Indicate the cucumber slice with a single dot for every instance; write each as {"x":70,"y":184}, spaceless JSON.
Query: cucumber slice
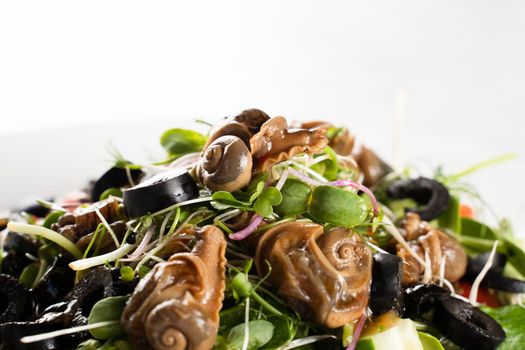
{"x":402,"y":335}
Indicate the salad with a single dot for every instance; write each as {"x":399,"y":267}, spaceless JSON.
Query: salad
{"x":261,"y":235}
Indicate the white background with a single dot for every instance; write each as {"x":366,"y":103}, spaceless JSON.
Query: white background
{"x":76,"y":74}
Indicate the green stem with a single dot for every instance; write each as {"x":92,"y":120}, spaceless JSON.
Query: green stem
{"x":265,"y":304}
{"x":47,"y":234}
{"x":485,"y":164}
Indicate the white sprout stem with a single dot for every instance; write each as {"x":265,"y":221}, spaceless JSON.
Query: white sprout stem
{"x":166,"y":239}
{"x":427,"y":275}
{"x":442,"y":264}
{"x":228,"y":215}
{"x":144,"y":242}
{"x":83,"y":264}
{"x":376,"y":248}
{"x":309,"y":171}
{"x":282,"y":180}
{"x":319,"y":160}
{"x":60,"y":332}
{"x":164,"y":224}
{"x":246,"y":340}
{"x":130,"y":178}
{"x":473,"y":296}
{"x":181,"y":204}
{"x":305,"y":341}
{"x":394,"y":232}
{"x":47,"y":234}
{"x":110,"y":230}
{"x":50,"y":205}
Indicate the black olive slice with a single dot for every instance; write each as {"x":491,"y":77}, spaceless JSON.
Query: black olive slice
{"x":96,"y":285}
{"x":116,"y":177}
{"x":160,"y":192}
{"x":422,"y":298}
{"x":386,"y":291}
{"x":56,"y":283}
{"x":12,"y":332}
{"x":15,"y":300}
{"x":430,"y":193}
{"x":466,"y":325}
{"x":494,"y":278}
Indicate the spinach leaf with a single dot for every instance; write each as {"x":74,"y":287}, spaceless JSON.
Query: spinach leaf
{"x":108,"y":309}
{"x":512,"y":319}
{"x":260,"y":333}
{"x":178,"y":142}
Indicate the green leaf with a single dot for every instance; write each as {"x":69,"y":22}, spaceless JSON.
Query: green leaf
{"x":450,"y":218}
{"x":477,"y":229}
{"x":108,"y":309}
{"x":178,"y":142}
{"x":222,"y":200}
{"x":119,"y":344}
{"x":429,"y":342}
{"x":263,"y":206}
{"x":110,"y":192}
{"x":337,"y":206}
{"x":29,"y":274}
{"x":295,"y":195}
{"x":257,"y":192}
{"x":52,"y":218}
{"x":512,"y":319}
{"x":90,"y":344}
{"x":515,"y":251}
{"x":260,"y":333}
{"x":283,"y":333}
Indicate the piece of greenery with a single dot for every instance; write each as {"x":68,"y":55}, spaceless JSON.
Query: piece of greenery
{"x":264,"y":203}
{"x":222,"y":200}
{"x":295,"y":195}
{"x":110,"y":192}
{"x":108,"y":309}
{"x":337,"y":206}
{"x":429,"y":342}
{"x":90,"y":344}
{"x":127,"y":273}
{"x":450,"y":218}
{"x":512,"y":319}
{"x":260,"y":333}
{"x":178,"y":142}
{"x":52,"y":218}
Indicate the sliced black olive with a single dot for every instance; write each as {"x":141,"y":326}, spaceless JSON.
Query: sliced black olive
{"x":430,"y":193}
{"x":96,"y":285}
{"x":386,"y":291}
{"x":494,"y":278}
{"x":115,"y":177}
{"x":21,"y":244}
{"x":498,"y":263}
{"x":14,"y":263}
{"x":12,"y":332}
{"x":36,"y":210}
{"x":56,"y":283}
{"x":422,"y":298}
{"x":466,"y":325}
{"x":15,"y":300}
{"x":160,"y":192}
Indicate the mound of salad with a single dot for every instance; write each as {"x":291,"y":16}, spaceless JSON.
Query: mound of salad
{"x":261,"y":235}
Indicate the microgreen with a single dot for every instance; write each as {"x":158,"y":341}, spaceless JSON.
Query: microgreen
{"x":270,"y":197}
{"x":178,"y":142}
